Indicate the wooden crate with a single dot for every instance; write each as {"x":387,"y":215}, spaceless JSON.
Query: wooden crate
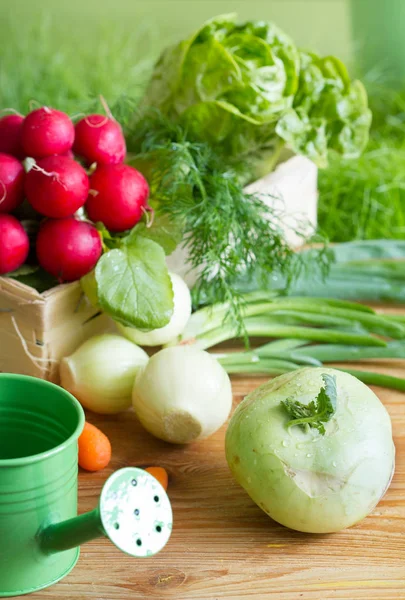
{"x":37,"y":330}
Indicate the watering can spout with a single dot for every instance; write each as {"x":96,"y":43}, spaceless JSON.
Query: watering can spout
{"x":134,"y":512}
{"x":71,"y":533}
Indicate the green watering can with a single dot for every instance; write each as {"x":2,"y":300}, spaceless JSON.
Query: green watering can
{"x":40,"y":533}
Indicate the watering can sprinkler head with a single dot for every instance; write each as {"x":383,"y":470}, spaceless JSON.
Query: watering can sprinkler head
{"x":134,"y":512}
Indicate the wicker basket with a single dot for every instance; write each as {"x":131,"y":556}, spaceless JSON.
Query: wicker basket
{"x":37,"y":330}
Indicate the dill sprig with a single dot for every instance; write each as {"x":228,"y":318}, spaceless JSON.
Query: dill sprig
{"x":227,"y":231}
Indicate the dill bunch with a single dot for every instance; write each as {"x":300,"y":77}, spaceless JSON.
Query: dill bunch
{"x":227,"y":231}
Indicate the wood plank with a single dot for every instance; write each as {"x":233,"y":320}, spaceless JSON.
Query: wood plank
{"x":223,"y":546}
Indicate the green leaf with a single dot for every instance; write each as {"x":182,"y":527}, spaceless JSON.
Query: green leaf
{"x":108,"y":239}
{"x":134,"y":286}
{"x":304,"y":135}
{"x":318,"y":411}
{"x":349,"y":136}
{"x":34,"y":277}
{"x":329,"y":112}
{"x":312,"y":82}
{"x":203,"y":76}
{"x":24,"y":270}
{"x":164,"y":231}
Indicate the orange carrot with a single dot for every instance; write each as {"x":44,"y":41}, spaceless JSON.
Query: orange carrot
{"x":94,"y":449}
{"x":160,"y":474}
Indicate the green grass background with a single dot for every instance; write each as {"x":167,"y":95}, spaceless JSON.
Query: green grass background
{"x":61,"y":52}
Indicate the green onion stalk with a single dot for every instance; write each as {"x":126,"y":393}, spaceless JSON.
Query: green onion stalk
{"x":304,"y":332}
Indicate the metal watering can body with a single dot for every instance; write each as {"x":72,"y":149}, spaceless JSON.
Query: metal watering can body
{"x":39,"y":531}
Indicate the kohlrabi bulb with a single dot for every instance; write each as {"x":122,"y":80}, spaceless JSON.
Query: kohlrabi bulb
{"x":302,"y":479}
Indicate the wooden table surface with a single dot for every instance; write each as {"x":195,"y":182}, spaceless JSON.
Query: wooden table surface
{"x":223,"y":546}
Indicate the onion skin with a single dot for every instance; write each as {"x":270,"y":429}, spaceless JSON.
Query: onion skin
{"x":301,"y":479}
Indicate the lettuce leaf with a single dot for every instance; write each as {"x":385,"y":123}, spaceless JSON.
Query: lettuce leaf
{"x":246,"y":90}
{"x":228,"y":84}
{"x":329,"y":112}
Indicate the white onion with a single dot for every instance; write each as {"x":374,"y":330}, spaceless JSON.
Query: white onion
{"x":182,"y":395}
{"x":102,"y":371}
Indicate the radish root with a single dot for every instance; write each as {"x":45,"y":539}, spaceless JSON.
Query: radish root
{"x":77,"y":116}
{"x":149,"y":218}
{"x":55,"y":176}
{"x":106,"y":108}
{"x":11,"y":111}
{"x":96,"y":125}
{"x":32,"y":104}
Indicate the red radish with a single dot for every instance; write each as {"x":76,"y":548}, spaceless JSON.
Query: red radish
{"x":10,"y":135}
{"x":14,"y":244}
{"x":56,"y":186}
{"x":11,"y":183}
{"x":46,"y":132}
{"x":68,"y":248}
{"x":118,"y":196}
{"x":99,"y":139}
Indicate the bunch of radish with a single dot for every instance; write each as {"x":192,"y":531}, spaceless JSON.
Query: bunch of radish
{"x":60,"y":168}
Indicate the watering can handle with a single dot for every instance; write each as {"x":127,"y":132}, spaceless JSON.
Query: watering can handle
{"x":134,"y":512}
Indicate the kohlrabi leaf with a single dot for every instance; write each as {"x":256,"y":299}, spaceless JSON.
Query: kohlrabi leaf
{"x":317,"y":412}
{"x":164,"y":231}
{"x":133,"y":284}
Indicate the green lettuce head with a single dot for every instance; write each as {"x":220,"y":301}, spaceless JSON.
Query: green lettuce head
{"x":246,"y":89}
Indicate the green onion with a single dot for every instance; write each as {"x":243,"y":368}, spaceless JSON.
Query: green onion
{"x":264,"y":327}
{"x":388,"y":381}
{"x":266,"y":367}
{"x":340,"y":353}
